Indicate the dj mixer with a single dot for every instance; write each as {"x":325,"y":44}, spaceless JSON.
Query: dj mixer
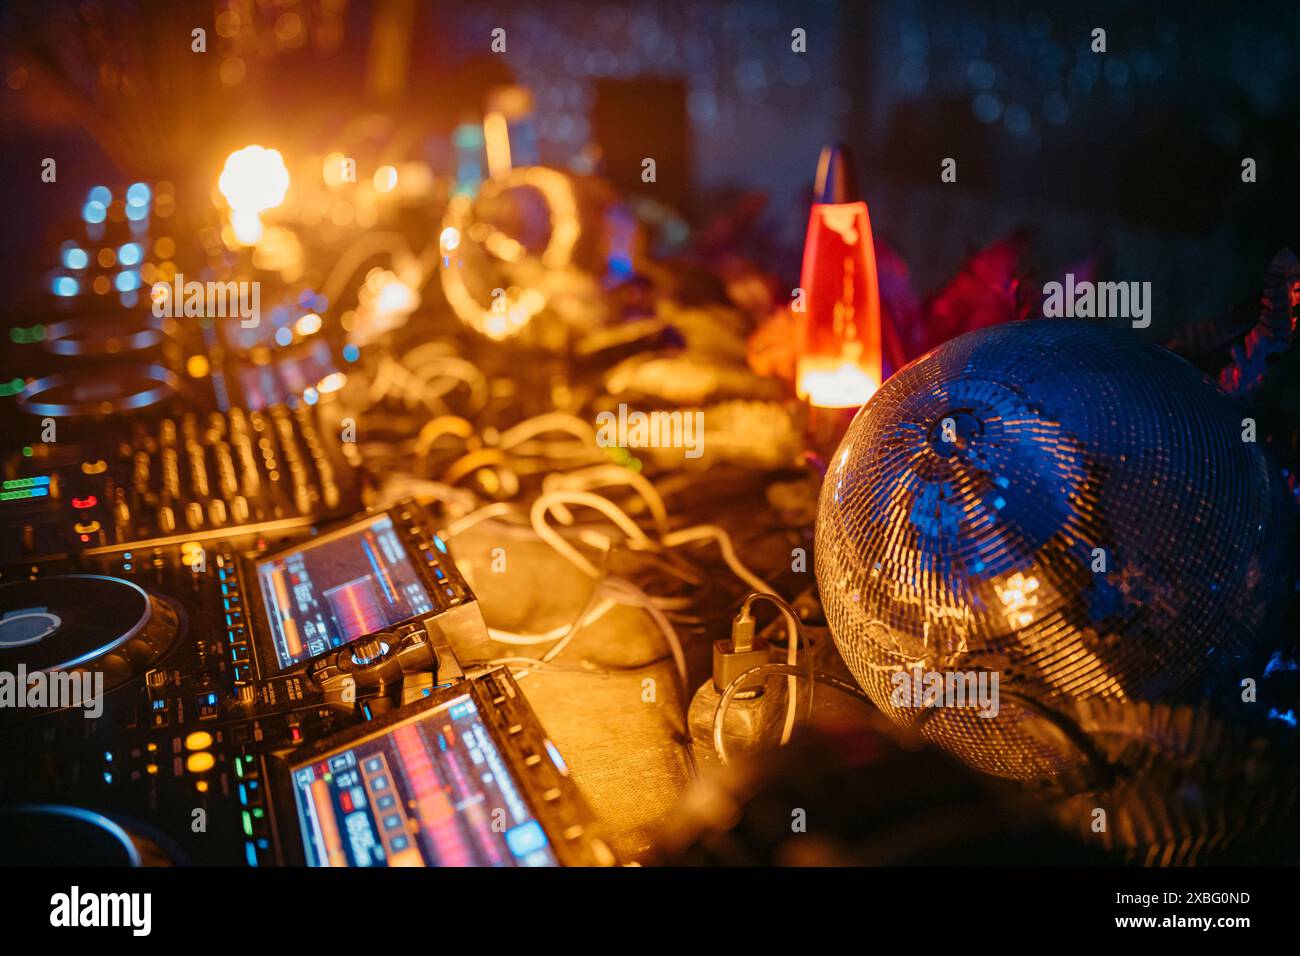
{"x":211,"y":652}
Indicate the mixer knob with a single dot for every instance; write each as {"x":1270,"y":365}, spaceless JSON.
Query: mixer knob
{"x":217,"y":511}
{"x":141,"y":472}
{"x":166,"y":518}
{"x":246,"y":693}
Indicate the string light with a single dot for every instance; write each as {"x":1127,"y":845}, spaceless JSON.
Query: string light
{"x":512,"y":309}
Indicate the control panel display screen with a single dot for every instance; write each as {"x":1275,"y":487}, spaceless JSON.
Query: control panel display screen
{"x":338,"y":588}
{"x":432,"y":790}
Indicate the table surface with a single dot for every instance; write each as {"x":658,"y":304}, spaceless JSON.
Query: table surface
{"x":619,"y":731}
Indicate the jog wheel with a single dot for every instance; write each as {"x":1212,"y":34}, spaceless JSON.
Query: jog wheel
{"x":98,"y":392}
{"x":83,"y":622}
{"x":49,"y":834}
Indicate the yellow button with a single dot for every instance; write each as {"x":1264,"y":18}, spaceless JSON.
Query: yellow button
{"x":199,"y":740}
{"x":200,"y":762}
{"x":94,"y":467}
{"x":151,"y":769}
{"x":89,"y":527}
{"x":201,"y":786}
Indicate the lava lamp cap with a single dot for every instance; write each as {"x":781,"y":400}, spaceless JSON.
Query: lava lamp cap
{"x":836,"y":182}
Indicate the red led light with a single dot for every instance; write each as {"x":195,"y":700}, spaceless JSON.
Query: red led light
{"x":87,"y":502}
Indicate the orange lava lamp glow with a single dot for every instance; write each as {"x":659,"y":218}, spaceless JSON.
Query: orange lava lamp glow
{"x":839,"y":363}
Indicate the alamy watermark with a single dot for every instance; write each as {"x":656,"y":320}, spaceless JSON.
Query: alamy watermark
{"x":1098,"y":300}
{"x":54,"y":690}
{"x":211,"y":300}
{"x":635,"y":429}
{"x":132,"y":911}
{"x":918,"y":687}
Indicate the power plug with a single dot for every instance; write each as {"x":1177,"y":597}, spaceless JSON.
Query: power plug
{"x":744,"y":651}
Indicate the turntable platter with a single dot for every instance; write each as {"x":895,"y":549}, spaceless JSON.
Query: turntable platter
{"x":57,"y":835}
{"x":98,"y":392}
{"x":85,"y":621}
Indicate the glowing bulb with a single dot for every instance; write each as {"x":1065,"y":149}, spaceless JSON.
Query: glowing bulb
{"x":335,"y":170}
{"x":247,"y":225}
{"x":842,"y":385}
{"x":385,"y":179}
{"x":395,"y":297}
{"x":254,"y":179}
{"x":384,"y":302}
{"x":331,"y":383}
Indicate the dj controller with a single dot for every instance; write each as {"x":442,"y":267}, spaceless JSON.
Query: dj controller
{"x":212,"y":653}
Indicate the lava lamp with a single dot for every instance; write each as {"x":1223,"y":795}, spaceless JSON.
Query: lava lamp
{"x":839,"y":356}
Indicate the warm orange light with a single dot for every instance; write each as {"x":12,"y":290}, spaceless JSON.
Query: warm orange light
{"x":829,"y":385}
{"x":253,"y":180}
{"x":331,"y":383}
{"x":496,"y":143}
{"x":839,"y":363}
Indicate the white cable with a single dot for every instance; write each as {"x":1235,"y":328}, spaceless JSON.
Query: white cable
{"x":555,"y":633}
{"x":599,"y":476}
{"x":793,"y":631}
{"x":465,"y":522}
{"x":551,"y":421}
{"x":544,"y":502}
{"x":714,"y":533}
{"x":638,"y":598}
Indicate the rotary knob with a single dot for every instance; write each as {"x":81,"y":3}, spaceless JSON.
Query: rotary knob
{"x":369,"y":649}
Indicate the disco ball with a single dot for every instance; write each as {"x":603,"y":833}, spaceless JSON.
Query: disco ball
{"x":1064,"y":506}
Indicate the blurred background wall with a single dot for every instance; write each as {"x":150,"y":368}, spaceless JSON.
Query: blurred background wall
{"x":1133,"y":155}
